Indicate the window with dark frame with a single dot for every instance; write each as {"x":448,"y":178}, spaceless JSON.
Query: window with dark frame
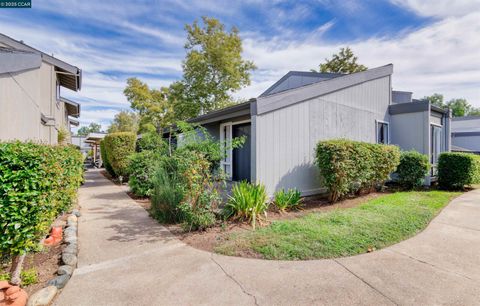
{"x":382,"y":132}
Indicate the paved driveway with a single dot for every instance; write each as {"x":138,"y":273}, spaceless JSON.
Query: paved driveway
{"x":126,"y":258}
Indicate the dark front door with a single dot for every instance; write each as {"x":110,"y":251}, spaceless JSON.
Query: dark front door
{"x":241,"y":156}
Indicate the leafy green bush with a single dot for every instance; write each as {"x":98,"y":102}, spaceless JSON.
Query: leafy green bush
{"x":119,"y":146}
{"x":141,"y":170}
{"x":152,"y":141}
{"x":106,"y":163}
{"x":290,"y":199}
{"x":195,"y":138}
{"x":351,"y":166}
{"x":412,"y":169}
{"x":247,"y":202}
{"x":37,"y":182}
{"x":457,"y":170}
{"x":183,"y":191}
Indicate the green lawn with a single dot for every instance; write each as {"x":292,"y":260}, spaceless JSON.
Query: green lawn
{"x":377,"y":223}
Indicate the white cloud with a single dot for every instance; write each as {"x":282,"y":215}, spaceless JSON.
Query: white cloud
{"x":442,"y":57}
{"x":440,"y":8}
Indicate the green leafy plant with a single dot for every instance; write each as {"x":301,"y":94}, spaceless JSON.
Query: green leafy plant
{"x":152,"y":141}
{"x":350,"y":166}
{"x":37,"y":182}
{"x":195,"y":138}
{"x":457,"y":170}
{"x":141,"y":170}
{"x":412,"y":169}
{"x":29,"y":277}
{"x":247,"y":202}
{"x":289,"y":199}
{"x":106,"y":163}
{"x":119,"y":146}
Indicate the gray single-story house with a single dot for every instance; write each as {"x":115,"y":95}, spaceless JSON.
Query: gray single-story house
{"x":284,"y":124}
{"x":466,"y":134}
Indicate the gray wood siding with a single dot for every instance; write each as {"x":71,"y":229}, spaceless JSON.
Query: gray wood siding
{"x":286,"y":138}
{"x":410,"y":131}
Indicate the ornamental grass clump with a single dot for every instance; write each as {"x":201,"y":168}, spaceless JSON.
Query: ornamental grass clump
{"x":285,"y":200}
{"x":248,"y":202}
{"x":351,"y":166}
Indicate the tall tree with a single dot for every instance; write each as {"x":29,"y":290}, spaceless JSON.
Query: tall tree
{"x":459,"y":107}
{"x":213,"y":68}
{"x":91,"y":128}
{"x":342,"y":62}
{"x":124,"y":121}
{"x":152,"y":105}
{"x":436,"y":99}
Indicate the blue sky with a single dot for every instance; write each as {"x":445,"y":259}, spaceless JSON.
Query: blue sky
{"x":433,"y":44}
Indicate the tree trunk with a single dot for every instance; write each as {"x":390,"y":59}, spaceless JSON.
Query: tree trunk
{"x":16,"y":270}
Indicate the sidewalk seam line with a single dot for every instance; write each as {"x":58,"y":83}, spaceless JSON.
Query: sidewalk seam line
{"x":236,"y":281}
{"x":431,"y":265}
{"x":365,"y":282}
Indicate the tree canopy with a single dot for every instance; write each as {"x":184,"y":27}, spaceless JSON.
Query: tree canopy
{"x":91,"y":128}
{"x":342,"y":62}
{"x":459,"y":107}
{"x":213,"y":69}
{"x":152,"y":105}
{"x":124,"y":121}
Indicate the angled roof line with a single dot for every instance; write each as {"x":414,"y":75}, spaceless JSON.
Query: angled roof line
{"x":300,"y":94}
{"x":70,"y":76}
{"x":299,"y":73}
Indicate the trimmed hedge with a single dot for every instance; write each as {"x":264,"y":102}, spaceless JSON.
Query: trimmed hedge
{"x":351,"y":166}
{"x":119,"y":146}
{"x":37,"y":182}
{"x":457,"y":170}
{"x":106,"y":163}
{"x":413,"y":168}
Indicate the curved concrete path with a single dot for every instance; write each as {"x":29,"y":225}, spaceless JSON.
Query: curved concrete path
{"x":126,"y":258}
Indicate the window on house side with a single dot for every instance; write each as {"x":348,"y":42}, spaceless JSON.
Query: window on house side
{"x":382,"y":132}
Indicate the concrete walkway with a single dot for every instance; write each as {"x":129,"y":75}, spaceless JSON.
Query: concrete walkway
{"x":126,"y":258}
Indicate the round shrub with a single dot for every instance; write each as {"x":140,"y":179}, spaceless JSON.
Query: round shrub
{"x":457,"y":170}
{"x":119,"y":146}
{"x":351,"y":166}
{"x":152,"y":141}
{"x":412,"y":169}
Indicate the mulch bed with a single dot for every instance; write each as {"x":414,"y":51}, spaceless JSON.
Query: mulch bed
{"x":208,"y":239}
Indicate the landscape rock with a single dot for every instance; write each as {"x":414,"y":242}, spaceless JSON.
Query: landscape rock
{"x":59,"y":281}
{"x":71,"y":249}
{"x":69,"y":259}
{"x":71,"y":230}
{"x":72,"y":220}
{"x":43,"y":297}
{"x":70,"y":239}
{"x":76,"y":212}
{"x":65,"y":269}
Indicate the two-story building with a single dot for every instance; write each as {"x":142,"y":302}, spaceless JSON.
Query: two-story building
{"x":31,"y":82}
